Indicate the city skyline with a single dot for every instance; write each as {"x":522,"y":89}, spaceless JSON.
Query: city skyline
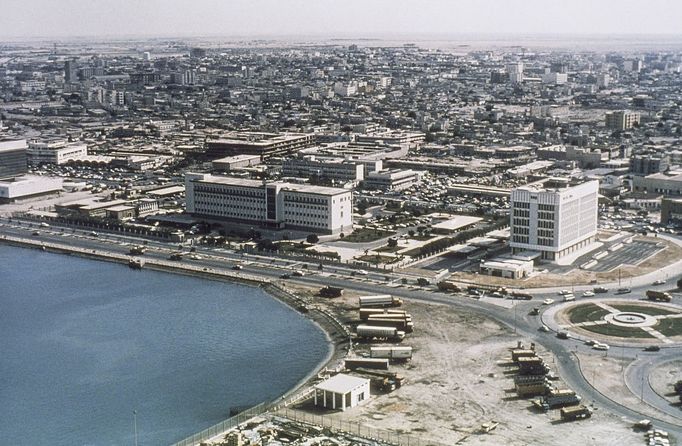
{"x":38,"y":18}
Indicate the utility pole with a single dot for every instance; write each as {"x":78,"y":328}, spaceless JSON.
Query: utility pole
{"x":135,"y":425}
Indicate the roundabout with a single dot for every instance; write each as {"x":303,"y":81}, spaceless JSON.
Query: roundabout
{"x":625,"y":321}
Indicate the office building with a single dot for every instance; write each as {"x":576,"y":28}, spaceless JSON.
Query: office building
{"x":236,"y":162}
{"x":621,"y":120}
{"x":256,"y":143}
{"x":671,"y":211}
{"x":55,"y":152}
{"x":392,"y":179}
{"x":70,"y":71}
{"x":275,"y":205}
{"x":554,"y":217}
{"x":648,"y":164}
{"x":13,"y":158}
{"x":667,"y":183}
{"x":335,"y":169}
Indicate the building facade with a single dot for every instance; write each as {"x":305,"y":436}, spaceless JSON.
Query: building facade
{"x":621,"y":120}
{"x":332,"y":169}
{"x":554,"y":218}
{"x":55,"y":152}
{"x":13,"y":158}
{"x":394,"y":179}
{"x":276,"y":205}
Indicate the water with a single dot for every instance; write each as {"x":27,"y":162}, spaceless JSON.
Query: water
{"x":84,"y":343}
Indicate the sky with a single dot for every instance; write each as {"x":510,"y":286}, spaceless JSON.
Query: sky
{"x":343,"y":18}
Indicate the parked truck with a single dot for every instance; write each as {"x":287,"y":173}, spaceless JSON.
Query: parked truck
{"x":659,"y":296}
{"x":396,"y":353}
{"x":558,"y":398}
{"x":575,"y":413}
{"x":449,"y":286}
{"x":137,"y":250}
{"x":365,"y":313}
{"x":367,"y":363}
{"x":378,"y":332}
{"x":401,"y":324}
{"x":532,"y":365}
{"x":380,"y":300}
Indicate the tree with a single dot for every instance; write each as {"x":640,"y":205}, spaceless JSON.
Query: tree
{"x":266,"y":245}
{"x":392,"y":243}
{"x":362,"y":207}
{"x":410,"y":233}
{"x":312,"y":238}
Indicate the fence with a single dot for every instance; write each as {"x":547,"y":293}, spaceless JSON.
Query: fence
{"x":356,"y":429}
{"x":223,"y":426}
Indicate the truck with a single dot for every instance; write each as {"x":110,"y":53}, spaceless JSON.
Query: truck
{"x":532,"y":365}
{"x":137,"y":250}
{"x":380,"y":300}
{"x":379,"y":332}
{"x":521,"y":352}
{"x":558,"y":398}
{"x":400,"y":324}
{"x":531,"y":389}
{"x":396,"y":353}
{"x":366,"y":363}
{"x":449,"y":286}
{"x":659,"y":296}
{"x":575,"y":413}
{"x":520,"y":295}
{"x":175,"y":256}
{"x":365,"y":313}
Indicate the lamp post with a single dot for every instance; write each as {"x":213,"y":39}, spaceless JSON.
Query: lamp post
{"x":135,"y":425}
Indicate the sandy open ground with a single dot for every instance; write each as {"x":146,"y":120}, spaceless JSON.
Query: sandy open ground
{"x":456,"y":381}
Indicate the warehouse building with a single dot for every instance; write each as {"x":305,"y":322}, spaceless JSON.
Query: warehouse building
{"x":554,"y":217}
{"x":275,"y":205}
{"x":55,"y":152}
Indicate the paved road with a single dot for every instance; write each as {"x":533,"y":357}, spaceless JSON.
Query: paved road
{"x":516,"y":317}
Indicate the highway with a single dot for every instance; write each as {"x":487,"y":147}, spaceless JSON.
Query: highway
{"x":514,"y":315}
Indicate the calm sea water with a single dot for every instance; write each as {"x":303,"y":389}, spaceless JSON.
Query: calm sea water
{"x":84,"y":343}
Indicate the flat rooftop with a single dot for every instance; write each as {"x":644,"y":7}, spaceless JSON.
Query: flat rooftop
{"x":341,"y":383}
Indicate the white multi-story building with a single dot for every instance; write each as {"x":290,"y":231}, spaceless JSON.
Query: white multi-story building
{"x":55,"y":152}
{"x":554,"y":217}
{"x":325,"y":210}
{"x":392,"y":179}
{"x":330,"y":168}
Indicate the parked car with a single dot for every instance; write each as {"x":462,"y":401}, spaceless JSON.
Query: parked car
{"x":652,"y":348}
{"x":600,"y":289}
{"x":297,"y":274}
{"x":600,"y":346}
{"x":588,"y":294}
{"x":237,"y":267}
{"x":285,"y":276}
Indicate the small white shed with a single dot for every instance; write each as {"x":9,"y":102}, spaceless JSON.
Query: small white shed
{"x":341,"y":392}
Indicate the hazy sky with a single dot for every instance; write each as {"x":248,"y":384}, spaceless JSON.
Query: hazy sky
{"x":61,"y":18}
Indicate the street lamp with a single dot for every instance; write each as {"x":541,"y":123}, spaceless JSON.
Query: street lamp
{"x":135,"y":425}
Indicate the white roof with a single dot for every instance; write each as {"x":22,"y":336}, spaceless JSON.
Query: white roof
{"x":342,"y":383}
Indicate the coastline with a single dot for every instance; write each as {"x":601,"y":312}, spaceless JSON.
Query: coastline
{"x":334,"y":333}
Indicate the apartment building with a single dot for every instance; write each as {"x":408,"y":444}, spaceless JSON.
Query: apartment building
{"x":275,"y":205}
{"x":13,"y":159}
{"x":621,"y":120}
{"x":554,"y":217}
{"x":257,"y":143}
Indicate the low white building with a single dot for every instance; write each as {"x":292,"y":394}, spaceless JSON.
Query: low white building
{"x":276,"y":205}
{"x":55,"y":152}
{"x":337,"y":169}
{"x":342,"y":392}
{"x":393,"y":179}
{"x":25,"y":187}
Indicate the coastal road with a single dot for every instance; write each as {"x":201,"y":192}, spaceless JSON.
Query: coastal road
{"x":515,"y":317}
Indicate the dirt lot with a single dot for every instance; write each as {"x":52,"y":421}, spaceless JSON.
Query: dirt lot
{"x":663,"y":378}
{"x":457,"y":381}
{"x":606,"y":374}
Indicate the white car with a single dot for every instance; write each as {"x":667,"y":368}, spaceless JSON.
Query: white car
{"x":564,"y":292}
{"x":588,"y":294}
{"x":600,"y":346}
{"x":548,"y":301}
{"x":544,"y":328}
{"x":659,"y":282}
